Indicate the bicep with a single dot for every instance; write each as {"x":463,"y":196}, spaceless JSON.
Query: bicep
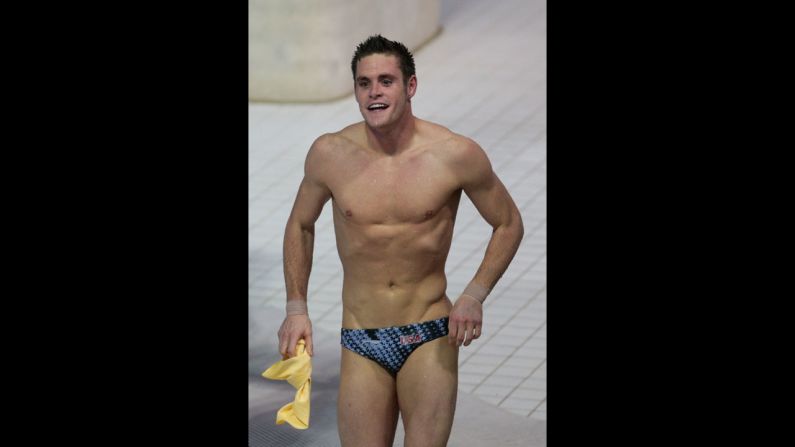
{"x":309,"y":202}
{"x":485,"y":189}
{"x":492,"y":200}
{"x":313,"y":192}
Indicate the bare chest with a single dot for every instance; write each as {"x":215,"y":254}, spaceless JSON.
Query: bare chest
{"x":391,"y":191}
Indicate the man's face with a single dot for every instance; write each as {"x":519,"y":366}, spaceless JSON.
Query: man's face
{"x":380,"y":91}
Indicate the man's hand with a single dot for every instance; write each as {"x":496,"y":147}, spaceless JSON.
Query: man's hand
{"x":466,"y":320}
{"x":294,"y":328}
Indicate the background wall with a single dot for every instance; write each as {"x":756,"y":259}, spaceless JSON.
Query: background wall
{"x":300,"y":50}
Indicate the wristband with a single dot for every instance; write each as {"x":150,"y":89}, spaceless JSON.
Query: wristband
{"x":476,"y":291}
{"x":296,"y":307}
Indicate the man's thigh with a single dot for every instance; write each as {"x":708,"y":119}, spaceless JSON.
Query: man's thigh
{"x":367,"y":409}
{"x":427,"y":387}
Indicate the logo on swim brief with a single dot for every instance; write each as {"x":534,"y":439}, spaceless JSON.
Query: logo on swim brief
{"x":410,"y":339}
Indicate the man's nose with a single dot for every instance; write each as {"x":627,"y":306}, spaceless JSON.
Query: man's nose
{"x":375,"y":91}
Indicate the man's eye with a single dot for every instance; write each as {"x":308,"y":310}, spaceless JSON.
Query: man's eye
{"x":387,"y":82}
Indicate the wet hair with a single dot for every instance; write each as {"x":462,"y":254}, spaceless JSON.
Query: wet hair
{"x":381,"y":45}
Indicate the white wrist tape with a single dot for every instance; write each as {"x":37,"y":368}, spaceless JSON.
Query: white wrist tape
{"x":296,"y":307}
{"x":476,"y":291}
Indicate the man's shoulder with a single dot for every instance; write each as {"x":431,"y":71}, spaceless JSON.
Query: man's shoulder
{"x":448,"y":145}
{"x":344,"y":138}
{"x":434,"y":131}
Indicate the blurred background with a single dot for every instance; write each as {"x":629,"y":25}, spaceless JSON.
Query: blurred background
{"x":481,"y":69}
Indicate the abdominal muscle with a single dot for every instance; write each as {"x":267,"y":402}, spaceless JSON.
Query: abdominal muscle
{"x":393,"y":275}
{"x":367,"y":306}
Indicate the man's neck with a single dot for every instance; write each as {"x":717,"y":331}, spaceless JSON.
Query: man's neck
{"x":394,"y":140}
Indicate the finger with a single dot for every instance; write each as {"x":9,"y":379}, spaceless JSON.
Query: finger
{"x":291,"y":345}
{"x":452,"y":329}
{"x":282,"y":344}
{"x":469,"y":334}
{"x":462,"y":332}
{"x":476,"y":332}
{"x":308,"y":339}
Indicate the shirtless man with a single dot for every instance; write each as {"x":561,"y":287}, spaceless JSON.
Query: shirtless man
{"x":395,"y":182}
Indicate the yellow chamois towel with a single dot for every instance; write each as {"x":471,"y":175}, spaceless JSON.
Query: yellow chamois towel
{"x":297,"y":371}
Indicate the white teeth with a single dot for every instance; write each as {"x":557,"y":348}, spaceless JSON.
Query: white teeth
{"x":377,"y":106}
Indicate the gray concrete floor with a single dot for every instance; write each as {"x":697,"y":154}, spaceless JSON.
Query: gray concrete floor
{"x":484,"y":77}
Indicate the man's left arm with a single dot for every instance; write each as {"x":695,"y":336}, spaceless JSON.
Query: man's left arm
{"x":496,"y":206}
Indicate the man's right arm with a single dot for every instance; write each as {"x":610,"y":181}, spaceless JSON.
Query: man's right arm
{"x":299,"y":239}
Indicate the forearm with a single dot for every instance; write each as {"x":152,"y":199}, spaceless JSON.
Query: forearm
{"x":298,"y":248}
{"x":466,"y":317}
{"x":500,"y":251}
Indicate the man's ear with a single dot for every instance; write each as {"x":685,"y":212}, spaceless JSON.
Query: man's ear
{"x":411,"y":89}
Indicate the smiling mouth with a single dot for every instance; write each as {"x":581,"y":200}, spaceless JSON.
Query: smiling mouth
{"x":377,"y":106}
